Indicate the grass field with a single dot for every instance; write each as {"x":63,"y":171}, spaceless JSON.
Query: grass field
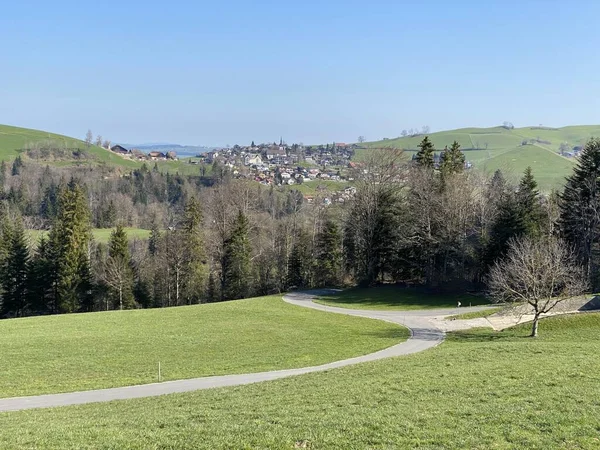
{"x":397,"y":298}
{"x":475,"y":314}
{"x":119,"y":348}
{"x":101,"y":235}
{"x":497,"y":148}
{"x":14,"y":139}
{"x":479,"y":390}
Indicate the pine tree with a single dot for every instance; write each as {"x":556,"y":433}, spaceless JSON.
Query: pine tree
{"x":15,"y":276}
{"x":195,"y":270}
{"x":329,"y":254}
{"x":530,"y":206}
{"x":508,"y":224}
{"x":154,"y":240}
{"x":580,"y":208}
{"x":118,"y":273}
{"x":236,"y":267}
{"x":17,"y":165}
{"x":41,"y":279}
{"x":300,"y":264}
{"x":425,"y":155}
{"x":212,"y":294}
{"x":453,"y":160}
{"x":70,"y":237}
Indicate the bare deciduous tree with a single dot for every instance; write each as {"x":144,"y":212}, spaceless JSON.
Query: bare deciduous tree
{"x":541,"y":273}
{"x":88,"y":138}
{"x":115,"y":273}
{"x":361,"y":139}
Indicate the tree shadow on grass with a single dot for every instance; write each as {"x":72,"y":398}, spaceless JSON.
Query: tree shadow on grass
{"x":392,"y":296}
{"x":483,"y":335}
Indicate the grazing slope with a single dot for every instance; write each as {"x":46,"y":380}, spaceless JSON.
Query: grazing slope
{"x":14,"y":139}
{"x":498,"y":148}
{"x":97,"y":350}
{"x":479,"y":389}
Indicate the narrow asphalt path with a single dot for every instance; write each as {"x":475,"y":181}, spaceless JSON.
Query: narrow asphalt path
{"x":424,"y":335}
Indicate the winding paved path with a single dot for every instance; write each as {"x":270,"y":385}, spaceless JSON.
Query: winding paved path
{"x":424,"y":335}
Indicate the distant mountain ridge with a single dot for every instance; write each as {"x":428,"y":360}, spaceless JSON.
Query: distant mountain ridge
{"x":182,"y":150}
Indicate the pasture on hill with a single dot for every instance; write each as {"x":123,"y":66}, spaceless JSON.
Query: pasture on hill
{"x":495,"y":148}
{"x":14,"y":141}
{"x":480,"y":389}
{"x":70,"y":352}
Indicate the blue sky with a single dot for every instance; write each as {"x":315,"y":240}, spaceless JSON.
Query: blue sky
{"x":228,"y":72}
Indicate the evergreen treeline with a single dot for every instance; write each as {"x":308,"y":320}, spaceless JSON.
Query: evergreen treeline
{"x":221,"y":239}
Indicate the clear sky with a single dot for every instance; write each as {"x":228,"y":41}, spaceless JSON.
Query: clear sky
{"x":225,"y":72}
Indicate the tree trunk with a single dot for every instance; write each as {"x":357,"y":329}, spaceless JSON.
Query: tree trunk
{"x":121,"y":296}
{"x":534,"y":329}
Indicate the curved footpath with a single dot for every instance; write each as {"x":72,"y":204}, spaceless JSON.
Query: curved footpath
{"x":424,"y":335}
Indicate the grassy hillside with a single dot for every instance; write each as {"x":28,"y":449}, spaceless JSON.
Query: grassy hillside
{"x":13,"y":140}
{"x":106,"y":349}
{"x":498,"y":148}
{"x":478,"y":390}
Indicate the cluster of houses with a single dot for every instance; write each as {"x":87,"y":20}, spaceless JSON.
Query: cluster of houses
{"x":572,"y":153}
{"x":141,"y":156}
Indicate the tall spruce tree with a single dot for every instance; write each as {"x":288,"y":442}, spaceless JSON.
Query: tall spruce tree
{"x":300,"y":264}
{"x":580,"y":209}
{"x":236,"y":269}
{"x":118,"y":273}
{"x":453,"y":160}
{"x":519,"y":214}
{"x":425,"y":156}
{"x":329,"y":254}
{"x":528,"y":198}
{"x":69,"y":238}
{"x":195,"y":270}
{"x":15,"y":274}
{"x":42,"y":279}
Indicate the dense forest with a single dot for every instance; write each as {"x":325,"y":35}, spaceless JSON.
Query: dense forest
{"x":216,"y":238}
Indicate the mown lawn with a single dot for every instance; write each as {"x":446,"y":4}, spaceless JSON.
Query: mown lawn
{"x":475,"y":314}
{"x":118,"y":348}
{"x":398,"y":298}
{"x":479,"y":390}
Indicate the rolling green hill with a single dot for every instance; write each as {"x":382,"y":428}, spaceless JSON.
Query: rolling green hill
{"x":15,"y":140}
{"x":494,"y":148}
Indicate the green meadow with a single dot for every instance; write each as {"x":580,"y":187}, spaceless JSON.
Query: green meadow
{"x":72,"y":352}
{"x":478,"y":390}
{"x":489,"y":149}
{"x":398,"y":298}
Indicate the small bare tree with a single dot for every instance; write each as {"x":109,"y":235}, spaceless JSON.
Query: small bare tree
{"x":88,"y":138}
{"x":541,"y":273}
{"x":116,"y":274}
{"x":98,"y":141}
{"x":361,"y":139}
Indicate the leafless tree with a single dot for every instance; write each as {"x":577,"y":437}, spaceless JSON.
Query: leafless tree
{"x":404,"y":133}
{"x":88,"y":138}
{"x":425,"y":129}
{"x":98,"y":141}
{"x":541,"y":273}
{"x":361,"y":139}
{"x":116,"y":274}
